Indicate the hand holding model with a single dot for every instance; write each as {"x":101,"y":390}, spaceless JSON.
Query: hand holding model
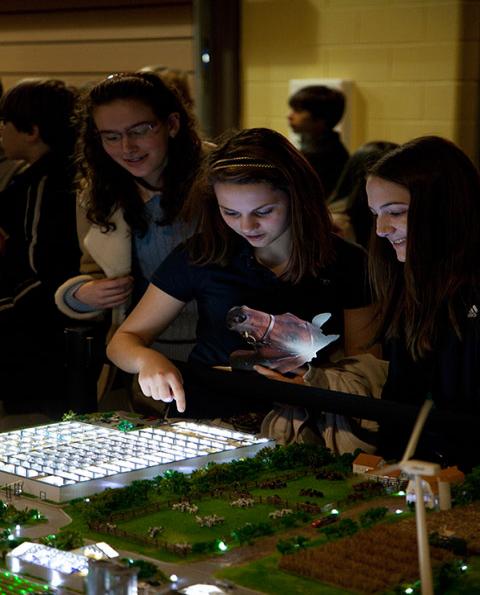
{"x":283,"y":342}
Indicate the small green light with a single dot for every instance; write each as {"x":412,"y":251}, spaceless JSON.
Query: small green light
{"x":222,"y":546}
{"x":125,"y":426}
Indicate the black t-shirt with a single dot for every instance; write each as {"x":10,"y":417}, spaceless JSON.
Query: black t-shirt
{"x":341,"y":285}
{"x":450,"y":375}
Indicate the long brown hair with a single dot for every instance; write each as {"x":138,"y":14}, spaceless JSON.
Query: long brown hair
{"x":440,"y":278}
{"x":260,"y":155}
{"x":110,"y":186}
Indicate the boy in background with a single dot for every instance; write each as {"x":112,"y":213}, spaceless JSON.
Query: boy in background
{"x":39,"y":243}
{"x":315,"y":111}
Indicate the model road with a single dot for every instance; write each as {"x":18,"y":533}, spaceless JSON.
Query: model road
{"x":188,"y":574}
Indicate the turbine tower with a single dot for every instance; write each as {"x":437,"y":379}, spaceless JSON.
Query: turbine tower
{"x":415,"y":469}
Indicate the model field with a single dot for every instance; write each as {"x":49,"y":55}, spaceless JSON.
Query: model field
{"x":184,"y":494}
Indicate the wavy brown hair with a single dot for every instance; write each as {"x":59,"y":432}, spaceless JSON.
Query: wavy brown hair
{"x":440,"y":279}
{"x":256,"y":156}
{"x":110,"y":186}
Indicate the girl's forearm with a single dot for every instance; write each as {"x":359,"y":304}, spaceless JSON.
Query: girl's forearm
{"x":127,"y":351}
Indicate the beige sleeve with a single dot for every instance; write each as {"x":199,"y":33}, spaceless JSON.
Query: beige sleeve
{"x":88,"y":266}
{"x":89,"y":270}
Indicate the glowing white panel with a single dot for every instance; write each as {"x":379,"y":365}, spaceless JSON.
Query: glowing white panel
{"x":56,"y":566}
{"x":50,"y":557}
{"x":71,"y":459}
{"x":98,"y":551}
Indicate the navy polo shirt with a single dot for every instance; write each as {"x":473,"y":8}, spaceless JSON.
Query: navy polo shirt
{"x":216,"y":289}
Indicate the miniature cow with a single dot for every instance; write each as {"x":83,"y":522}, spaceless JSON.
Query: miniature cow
{"x":243,"y":502}
{"x":210,"y":520}
{"x":185,"y":507}
{"x":280,"y":514}
{"x":282,"y":342}
{"x":153,"y":532}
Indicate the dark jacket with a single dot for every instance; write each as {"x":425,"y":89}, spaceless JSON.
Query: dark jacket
{"x":450,"y":375}
{"x":37,"y":215}
{"x":328,"y":156}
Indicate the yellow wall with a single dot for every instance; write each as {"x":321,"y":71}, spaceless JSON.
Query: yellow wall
{"x":86,"y":44}
{"x":415,"y":63}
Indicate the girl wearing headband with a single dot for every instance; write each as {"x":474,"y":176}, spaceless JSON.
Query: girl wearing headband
{"x":263,"y":239}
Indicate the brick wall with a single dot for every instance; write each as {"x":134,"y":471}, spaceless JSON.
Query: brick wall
{"x":415,"y":63}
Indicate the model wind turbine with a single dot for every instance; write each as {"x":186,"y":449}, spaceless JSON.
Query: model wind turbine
{"x":415,"y":469}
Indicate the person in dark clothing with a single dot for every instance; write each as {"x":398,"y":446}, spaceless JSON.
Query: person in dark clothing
{"x":8,"y":167}
{"x":348,"y":202}
{"x":263,"y":239}
{"x":40,"y":248}
{"x":315,"y":111}
{"x":243,"y":280}
{"x":425,"y":270}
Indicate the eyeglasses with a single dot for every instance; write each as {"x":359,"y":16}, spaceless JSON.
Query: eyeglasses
{"x":137,"y":132}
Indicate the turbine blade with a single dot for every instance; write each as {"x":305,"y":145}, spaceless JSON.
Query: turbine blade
{"x":417,"y":429}
{"x":389,"y":468}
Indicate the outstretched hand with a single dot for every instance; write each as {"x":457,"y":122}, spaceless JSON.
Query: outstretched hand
{"x":161,"y":380}
{"x":273,"y":375}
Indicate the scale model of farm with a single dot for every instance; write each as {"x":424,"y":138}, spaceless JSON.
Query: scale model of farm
{"x":295,"y":513}
{"x":69,"y":459}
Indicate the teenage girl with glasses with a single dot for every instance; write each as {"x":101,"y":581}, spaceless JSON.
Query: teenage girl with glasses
{"x":138,"y":153}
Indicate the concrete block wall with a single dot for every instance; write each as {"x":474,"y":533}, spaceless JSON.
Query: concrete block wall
{"x":415,"y":63}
